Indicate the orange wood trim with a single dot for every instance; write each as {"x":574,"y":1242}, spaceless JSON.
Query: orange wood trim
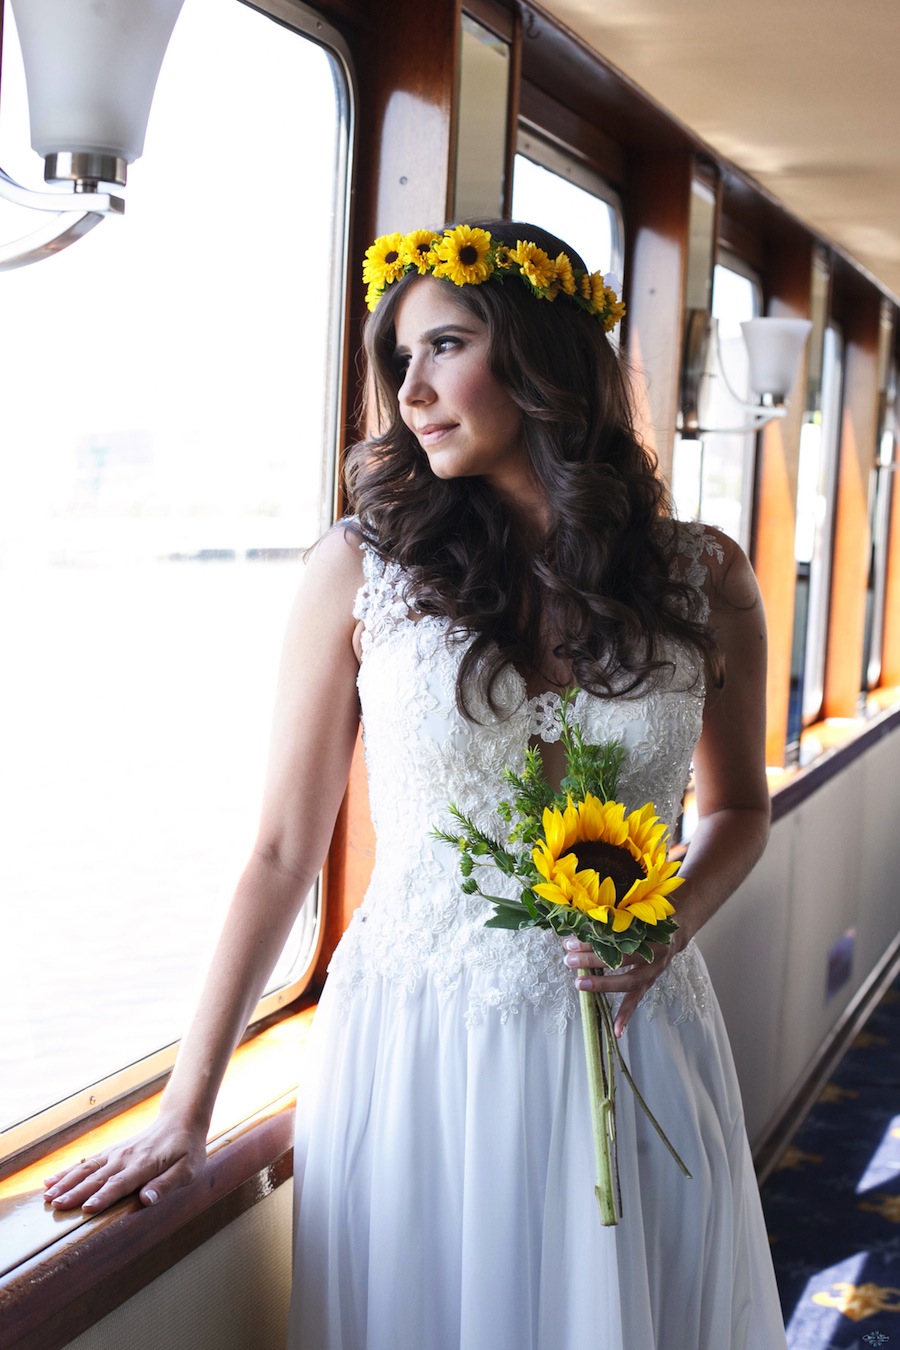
{"x":657,"y":217}
{"x":852,"y":541}
{"x":788,"y":283}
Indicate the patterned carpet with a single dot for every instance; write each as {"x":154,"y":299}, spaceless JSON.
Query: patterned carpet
{"x":832,"y":1204}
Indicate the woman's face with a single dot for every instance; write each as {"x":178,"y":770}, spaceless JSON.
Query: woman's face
{"x":460,"y":414}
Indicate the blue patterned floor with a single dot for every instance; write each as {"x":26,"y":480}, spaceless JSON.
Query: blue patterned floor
{"x":833,"y":1203}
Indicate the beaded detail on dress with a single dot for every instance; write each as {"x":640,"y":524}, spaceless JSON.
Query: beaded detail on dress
{"x":421,"y":754}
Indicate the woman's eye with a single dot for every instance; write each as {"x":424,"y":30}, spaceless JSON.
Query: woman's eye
{"x":445,"y":344}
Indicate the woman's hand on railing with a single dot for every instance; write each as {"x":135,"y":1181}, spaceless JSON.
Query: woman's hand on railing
{"x":163,"y":1158}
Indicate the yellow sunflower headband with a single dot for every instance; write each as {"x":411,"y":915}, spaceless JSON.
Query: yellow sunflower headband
{"x":467,"y":256}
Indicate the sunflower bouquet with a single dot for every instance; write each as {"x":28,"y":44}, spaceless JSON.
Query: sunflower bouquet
{"x":588,"y":870}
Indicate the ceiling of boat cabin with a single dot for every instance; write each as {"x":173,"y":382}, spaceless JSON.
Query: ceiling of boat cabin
{"x":800,"y":94}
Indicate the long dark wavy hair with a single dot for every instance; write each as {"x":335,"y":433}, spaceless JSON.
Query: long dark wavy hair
{"x":600,"y":580}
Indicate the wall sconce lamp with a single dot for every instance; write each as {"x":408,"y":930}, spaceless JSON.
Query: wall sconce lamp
{"x":773,"y":347}
{"x":91,"y":70}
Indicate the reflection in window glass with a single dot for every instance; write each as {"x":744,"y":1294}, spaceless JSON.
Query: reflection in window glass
{"x":876,"y":595}
{"x":164,"y":462}
{"x":583,"y":220}
{"x":726,"y":488}
{"x":817,"y":471}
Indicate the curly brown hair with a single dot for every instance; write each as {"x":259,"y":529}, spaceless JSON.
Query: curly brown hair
{"x":601,"y":579}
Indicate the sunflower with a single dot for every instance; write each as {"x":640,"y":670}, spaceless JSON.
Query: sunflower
{"x":464,"y":256}
{"x":598,"y":292}
{"x":615,"y":309}
{"x":383,"y":262}
{"x":417,"y":250}
{"x":535,"y":265}
{"x":611,"y":866}
{"x":564,"y":274}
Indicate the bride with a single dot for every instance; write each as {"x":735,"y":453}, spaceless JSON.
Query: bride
{"x":509,"y":541}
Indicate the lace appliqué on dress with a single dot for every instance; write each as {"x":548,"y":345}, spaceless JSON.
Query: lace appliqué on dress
{"x":422,"y":754}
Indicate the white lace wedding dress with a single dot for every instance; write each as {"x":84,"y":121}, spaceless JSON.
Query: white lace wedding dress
{"x":444,"y":1165}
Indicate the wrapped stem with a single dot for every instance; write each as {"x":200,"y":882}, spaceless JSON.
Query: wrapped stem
{"x":601,"y":1088}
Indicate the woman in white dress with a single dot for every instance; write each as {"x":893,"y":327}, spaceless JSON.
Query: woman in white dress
{"x":510,"y":540}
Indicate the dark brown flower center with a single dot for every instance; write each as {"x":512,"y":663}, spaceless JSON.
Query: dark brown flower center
{"x":392,"y":256}
{"x":609,"y":860}
{"x":468,"y":255}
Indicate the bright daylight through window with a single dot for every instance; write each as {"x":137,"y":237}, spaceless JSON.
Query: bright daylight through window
{"x":166,"y":457}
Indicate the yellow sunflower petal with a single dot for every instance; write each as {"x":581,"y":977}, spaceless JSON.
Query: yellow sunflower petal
{"x":547,"y":891}
{"x":417,"y":250}
{"x":588,"y":883}
{"x":383,"y":263}
{"x":554,"y":830}
{"x":464,"y":255}
{"x":564,"y":275}
{"x":542,"y":859}
{"x":570,"y":825}
{"x":621,"y":920}
{"x":643,"y":909}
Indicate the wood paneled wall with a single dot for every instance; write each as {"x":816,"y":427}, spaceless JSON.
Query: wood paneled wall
{"x":657,"y":223}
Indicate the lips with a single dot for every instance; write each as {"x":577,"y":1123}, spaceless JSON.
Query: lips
{"x":433,"y":431}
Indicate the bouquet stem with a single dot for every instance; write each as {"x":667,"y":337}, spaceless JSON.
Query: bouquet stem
{"x":602,"y":1090}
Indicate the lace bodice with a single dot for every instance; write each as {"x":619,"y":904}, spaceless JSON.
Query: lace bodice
{"x":421,"y":754}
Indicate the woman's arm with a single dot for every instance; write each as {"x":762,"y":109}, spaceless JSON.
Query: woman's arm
{"x":314,"y":732}
{"x":730,"y":780}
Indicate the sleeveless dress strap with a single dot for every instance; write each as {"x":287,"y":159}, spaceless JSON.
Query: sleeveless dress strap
{"x":380,"y":604}
{"x":691,"y":542}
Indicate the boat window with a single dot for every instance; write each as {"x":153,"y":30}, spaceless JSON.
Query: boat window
{"x":169,"y":403}
{"x":816,"y":493}
{"x":881,"y":497}
{"x":713,"y":475}
{"x":566,"y":197}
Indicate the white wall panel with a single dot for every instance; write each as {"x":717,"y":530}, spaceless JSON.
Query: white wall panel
{"x":229,"y":1294}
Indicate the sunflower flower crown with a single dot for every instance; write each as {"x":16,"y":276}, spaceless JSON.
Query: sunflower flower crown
{"x":468,"y":256}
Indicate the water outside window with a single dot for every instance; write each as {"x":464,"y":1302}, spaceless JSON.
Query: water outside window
{"x":165,"y":459}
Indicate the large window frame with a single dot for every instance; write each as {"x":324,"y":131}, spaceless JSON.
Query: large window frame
{"x":143,"y":1074}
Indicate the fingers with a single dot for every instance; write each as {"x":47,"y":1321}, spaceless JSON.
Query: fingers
{"x":68,"y":1188}
{"x":95,"y":1184}
{"x":631,"y":980}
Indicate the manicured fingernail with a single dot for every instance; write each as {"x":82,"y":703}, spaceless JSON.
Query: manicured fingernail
{"x":582,"y":984}
{"x":571,"y":943}
{"x":571,"y":960}
{"x":151,"y":1197}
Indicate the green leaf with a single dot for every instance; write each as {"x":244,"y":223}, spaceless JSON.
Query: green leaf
{"x":505,"y":920}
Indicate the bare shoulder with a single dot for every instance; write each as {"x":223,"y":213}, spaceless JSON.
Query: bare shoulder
{"x":731,"y":580}
{"x":337,"y":558}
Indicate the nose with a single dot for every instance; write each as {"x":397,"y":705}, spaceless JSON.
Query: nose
{"x":415,"y":389}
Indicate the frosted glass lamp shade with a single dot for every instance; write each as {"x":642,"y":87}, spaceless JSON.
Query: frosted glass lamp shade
{"x":91,"y":69}
{"x":774,"y":347}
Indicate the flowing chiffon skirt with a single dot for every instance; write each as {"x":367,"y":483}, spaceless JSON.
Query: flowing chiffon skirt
{"x":445,"y":1188}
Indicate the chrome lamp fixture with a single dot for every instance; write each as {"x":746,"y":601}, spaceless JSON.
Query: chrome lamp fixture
{"x":91,"y":70}
{"x":774,"y":347}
